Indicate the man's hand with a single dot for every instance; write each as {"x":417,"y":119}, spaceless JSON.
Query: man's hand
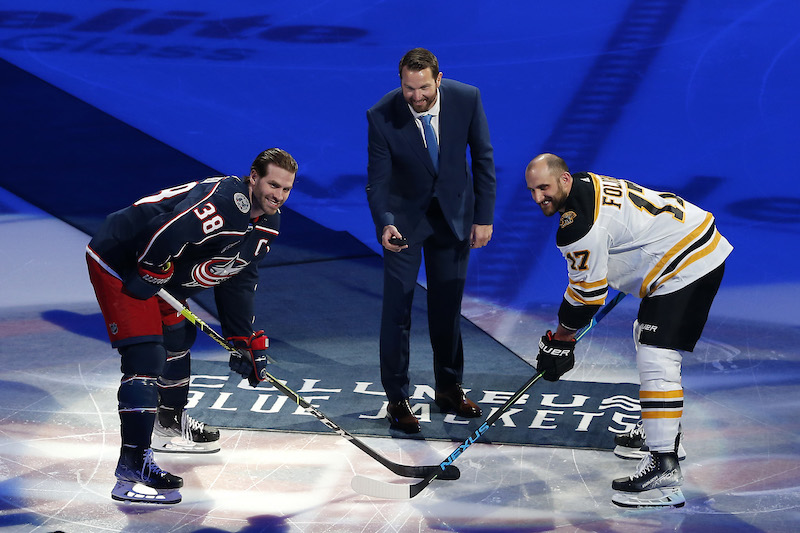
{"x":480,"y":235}
{"x":250,"y":359}
{"x":391,"y":232}
{"x":556,"y":357}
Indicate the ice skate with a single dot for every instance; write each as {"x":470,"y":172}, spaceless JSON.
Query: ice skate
{"x":139,"y":479}
{"x":180,"y":433}
{"x":631,"y":445}
{"x":656,"y":483}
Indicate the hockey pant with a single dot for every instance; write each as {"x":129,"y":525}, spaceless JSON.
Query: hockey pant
{"x":660,"y":393}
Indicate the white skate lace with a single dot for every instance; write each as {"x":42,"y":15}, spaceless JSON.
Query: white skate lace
{"x":645,"y":465}
{"x":150,"y":465}
{"x":188,"y":424}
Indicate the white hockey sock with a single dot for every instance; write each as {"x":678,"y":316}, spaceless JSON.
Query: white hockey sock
{"x":660,"y":395}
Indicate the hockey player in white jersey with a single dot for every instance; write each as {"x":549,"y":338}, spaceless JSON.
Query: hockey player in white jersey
{"x":658,"y":247}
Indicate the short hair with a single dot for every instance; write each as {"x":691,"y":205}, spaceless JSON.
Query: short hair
{"x":555,"y":165}
{"x":419,"y":59}
{"x":274,"y":156}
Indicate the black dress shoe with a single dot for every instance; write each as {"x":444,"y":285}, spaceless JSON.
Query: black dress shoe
{"x":400,"y":417}
{"x":453,"y":400}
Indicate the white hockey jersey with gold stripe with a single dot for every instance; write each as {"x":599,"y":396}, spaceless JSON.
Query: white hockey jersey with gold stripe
{"x":615,"y":233}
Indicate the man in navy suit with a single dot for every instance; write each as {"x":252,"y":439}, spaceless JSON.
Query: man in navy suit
{"x":425,"y":202}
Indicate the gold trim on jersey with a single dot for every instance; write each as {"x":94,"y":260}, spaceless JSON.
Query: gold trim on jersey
{"x":598,"y":194}
{"x":694,"y":246}
{"x":590,"y":284}
{"x":596,"y":298}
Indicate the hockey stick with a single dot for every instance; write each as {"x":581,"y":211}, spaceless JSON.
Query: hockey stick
{"x":450,"y":473}
{"x":381,"y":489}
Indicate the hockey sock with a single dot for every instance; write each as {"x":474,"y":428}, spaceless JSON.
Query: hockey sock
{"x":660,"y":395}
{"x":138,"y":394}
{"x":138,"y":399}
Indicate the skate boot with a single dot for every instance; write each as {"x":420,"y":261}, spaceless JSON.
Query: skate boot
{"x":139,"y":479}
{"x":176,"y":431}
{"x":631,"y":445}
{"x":656,"y":483}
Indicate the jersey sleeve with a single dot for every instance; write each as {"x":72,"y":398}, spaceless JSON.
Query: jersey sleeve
{"x":235,"y":300}
{"x":587,"y":269}
{"x":584,"y":242}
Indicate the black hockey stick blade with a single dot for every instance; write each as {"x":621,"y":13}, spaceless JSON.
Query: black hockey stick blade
{"x":395,"y":491}
{"x":450,"y":473}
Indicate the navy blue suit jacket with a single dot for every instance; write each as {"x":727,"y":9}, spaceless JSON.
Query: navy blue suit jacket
{"x":401,"y":177}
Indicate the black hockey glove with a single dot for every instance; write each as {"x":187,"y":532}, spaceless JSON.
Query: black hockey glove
{"x":250,"y":359}
{"x":555,"y":357}
{"x":148,"y":280}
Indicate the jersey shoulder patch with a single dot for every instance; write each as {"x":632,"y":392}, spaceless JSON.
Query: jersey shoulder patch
{"x":241,"y":202}
{"x":232,"y":200}
{"x":578,"y":216}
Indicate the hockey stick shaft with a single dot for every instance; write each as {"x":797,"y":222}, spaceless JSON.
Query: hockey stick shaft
{"x":399,"y":469}
{"x":379,"y":489}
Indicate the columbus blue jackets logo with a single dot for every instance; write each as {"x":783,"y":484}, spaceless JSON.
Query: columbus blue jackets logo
{"x":215,"y":271}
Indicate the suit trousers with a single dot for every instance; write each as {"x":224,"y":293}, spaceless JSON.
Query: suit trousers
{"x":446,"y":259}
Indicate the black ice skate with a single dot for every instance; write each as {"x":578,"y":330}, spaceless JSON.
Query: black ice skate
{"x":631,"y":445}
{"x":176,"y":431}
{"x":139,"y":479}
{"x":656,"y":483}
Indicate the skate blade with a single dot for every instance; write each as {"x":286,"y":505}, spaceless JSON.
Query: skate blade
{"x":181,"y":445}
{"x":624,"y":452}
{"x":666,"y":497}
{"x":629,"y":453}
{"x":129,"y":491}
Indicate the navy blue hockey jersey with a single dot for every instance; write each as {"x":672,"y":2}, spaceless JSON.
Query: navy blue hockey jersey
{"x":204,"y":228}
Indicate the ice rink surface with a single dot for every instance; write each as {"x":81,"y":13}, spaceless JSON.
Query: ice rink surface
{"x":59,"y":431}
{"x":692,"y":97}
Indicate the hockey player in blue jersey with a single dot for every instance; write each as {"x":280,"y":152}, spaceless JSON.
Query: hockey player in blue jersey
{"x":204,"y":234}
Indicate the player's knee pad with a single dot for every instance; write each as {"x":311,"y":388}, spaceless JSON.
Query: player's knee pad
{"x":179,"y":337}
{"x":659,"y":368}
{"x":145,"y":359}
{"x":173,"y":382}
{"x":177,"y":370}
{"x":137,"y":394}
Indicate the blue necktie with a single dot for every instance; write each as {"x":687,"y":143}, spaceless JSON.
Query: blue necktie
{"x":430,"y":139}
